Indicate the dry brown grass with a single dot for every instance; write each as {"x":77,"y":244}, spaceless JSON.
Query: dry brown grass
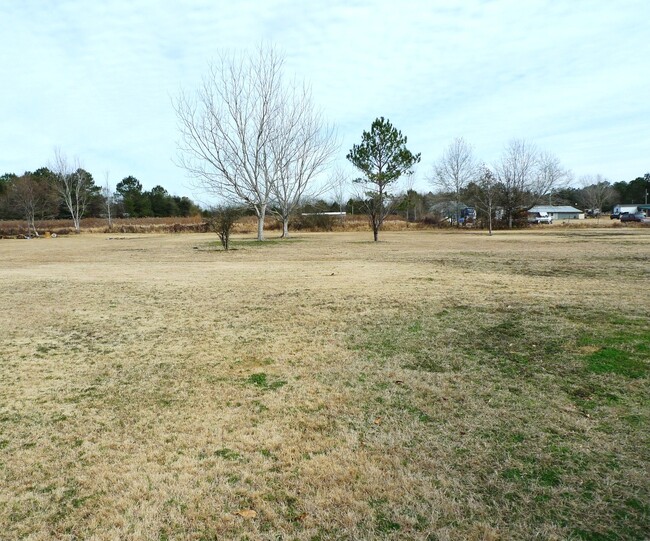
{"x":248,"y":224}
{"x":13,"y":228}
{"x":431,"y":386}
{"x":191,"y":224}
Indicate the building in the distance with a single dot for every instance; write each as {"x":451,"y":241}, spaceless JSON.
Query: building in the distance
{"x":558,"y":212}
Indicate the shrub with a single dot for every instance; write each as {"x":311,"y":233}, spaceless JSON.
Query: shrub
{"x":313,"y":222}
{"x":222,"y":221}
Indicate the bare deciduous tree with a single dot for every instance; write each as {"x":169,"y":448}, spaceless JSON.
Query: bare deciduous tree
{"x":516,"y":173}
{"x":73,"y":184}
{"x":484,"y":191}
{"x":338,"y":184}
{"x":33,"y":197}
{"x":301,"y":148}
{"x":107,"y":192}
{"x":227,"y":128}
{"x":455,"y":169}
{"x":527,"y":176}
{"x":596,"y":192}
{"x":551,"y":176}
{"x":247,"y":137}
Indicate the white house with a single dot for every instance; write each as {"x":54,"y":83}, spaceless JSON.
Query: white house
{"x":559,"y":212}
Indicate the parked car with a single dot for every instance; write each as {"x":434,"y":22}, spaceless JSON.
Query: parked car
{"x":540,"y":218}
{"x":632,"y":217}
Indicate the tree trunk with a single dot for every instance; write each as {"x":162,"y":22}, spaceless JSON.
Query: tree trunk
{"x":108,"y":213}
{"x":32,"y":221}
{"x":285,"y":228}
{"x":375,"y":232}
{"x":260,"y":222}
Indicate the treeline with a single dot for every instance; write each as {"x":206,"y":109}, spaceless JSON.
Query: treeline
{"x":416,"y":206}
{"x":41,"y":195}
{"x":131,"y":200}
{"x":64,"y":194}
{"x":586,"y":197}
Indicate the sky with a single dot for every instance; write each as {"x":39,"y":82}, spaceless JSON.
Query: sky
{"x":98,"y":79}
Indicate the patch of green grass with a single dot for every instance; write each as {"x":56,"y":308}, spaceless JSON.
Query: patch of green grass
{"x":638,"y":505}
{"x":516,"y":366}
{"x":268,"y":454}
{"x":635,"y":420}
{"x":227,"y":454}
{"x":514,"y":341}
{"x":548,"y":476}
{"x":610,"y":360}
{"x":43,"y":348}
{"x":623,"y":347}
{"x":512,"y":474}
{"x":415,"y":327}
{"x":420,"y":415}
{"x":383,"y":522}
{"x":259,"y":407}
{"x":259,"y":379}
{"x":589,"y":395}
{"x":588,"y":535}
{"x":233,"y":479}
{"x":262,"y":381}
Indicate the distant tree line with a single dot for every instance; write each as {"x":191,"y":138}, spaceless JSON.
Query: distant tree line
{"x":132,"y":201}
{"x":67,"y":191}
{"x":417,"y":206}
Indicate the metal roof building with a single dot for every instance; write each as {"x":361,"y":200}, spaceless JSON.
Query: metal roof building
{"x":559,"y":212}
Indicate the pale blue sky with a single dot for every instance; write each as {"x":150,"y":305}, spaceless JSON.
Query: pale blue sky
{"x":97,"y":78}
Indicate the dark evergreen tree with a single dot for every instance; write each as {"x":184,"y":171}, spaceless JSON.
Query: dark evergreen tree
{"x":383,"y":158}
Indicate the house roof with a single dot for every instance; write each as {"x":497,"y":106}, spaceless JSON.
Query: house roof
{"x":554,"y":208}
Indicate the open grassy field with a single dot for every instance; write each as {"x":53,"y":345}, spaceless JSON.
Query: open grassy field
{"x":436,"y":385}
